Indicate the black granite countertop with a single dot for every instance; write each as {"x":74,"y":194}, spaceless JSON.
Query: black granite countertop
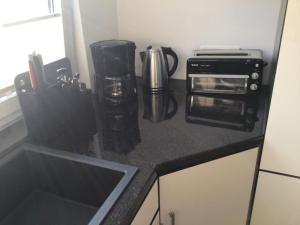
{"x":164,"y":133}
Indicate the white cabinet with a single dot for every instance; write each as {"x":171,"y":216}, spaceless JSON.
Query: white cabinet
{"x":148,"y":209}
{"x":277,"y":200}
{"x":281,"y":151}
{"x":156,"y":220}
{"x":213,"y":193}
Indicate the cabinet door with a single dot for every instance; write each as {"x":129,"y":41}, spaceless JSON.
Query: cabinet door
{"x":281,"y":149}
{"x":148,"y":209}
{"x":277,"y":200}
{"x":156,"y":220}
{"x":213,"y":193}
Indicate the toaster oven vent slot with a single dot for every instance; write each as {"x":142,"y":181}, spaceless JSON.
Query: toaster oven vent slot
{"x":222,"y":54}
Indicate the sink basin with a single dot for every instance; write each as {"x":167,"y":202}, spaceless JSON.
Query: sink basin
{"x":49,"y":187}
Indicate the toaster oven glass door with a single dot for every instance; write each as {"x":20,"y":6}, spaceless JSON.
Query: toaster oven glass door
{"x":214,"y":83}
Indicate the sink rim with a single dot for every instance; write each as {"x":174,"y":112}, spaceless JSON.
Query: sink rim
{"x":128,"y":171}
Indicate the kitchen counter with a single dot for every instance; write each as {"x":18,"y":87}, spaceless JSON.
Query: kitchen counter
{"x":163,"y":134}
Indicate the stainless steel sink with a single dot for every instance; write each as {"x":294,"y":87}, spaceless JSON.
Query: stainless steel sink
{"x":45,"y":186}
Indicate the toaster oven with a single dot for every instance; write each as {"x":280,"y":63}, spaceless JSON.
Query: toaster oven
{"x":225,"y":72}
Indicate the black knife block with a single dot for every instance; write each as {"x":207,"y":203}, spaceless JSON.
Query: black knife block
{"x":56,"y":116}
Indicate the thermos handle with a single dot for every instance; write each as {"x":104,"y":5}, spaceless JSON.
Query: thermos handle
{"x":142,"y":55}
{"x":174,"y":110}
{"x":169,"y":51}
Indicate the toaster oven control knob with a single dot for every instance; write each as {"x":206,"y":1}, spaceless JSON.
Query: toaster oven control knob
{"x":254,"y":76}
{"x":253,"y":87}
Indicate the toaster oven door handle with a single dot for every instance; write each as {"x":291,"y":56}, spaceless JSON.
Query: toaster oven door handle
{"x":219,"y":75}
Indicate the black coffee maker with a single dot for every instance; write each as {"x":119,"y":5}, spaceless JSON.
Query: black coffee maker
{"x":120,"y":128}
{"x":114,"y":63}
{"x":117,"y":106}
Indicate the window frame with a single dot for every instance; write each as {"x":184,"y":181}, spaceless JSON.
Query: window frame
{"x":7,"y":90}
{"x":52,"y":12}
{"x":8,"y":96}
{"x":12,"y":112}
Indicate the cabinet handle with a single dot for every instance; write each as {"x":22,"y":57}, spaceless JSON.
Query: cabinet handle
{"x":172,"y":216}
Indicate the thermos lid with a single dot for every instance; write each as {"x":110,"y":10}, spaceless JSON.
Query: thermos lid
{"x":154,"y":48}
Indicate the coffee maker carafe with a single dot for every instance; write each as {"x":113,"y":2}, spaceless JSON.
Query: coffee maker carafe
{"x":114,"y":63}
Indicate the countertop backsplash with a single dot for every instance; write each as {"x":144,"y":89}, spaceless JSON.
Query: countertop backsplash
{"x":188,"y":25}
{"x":12,"y":135}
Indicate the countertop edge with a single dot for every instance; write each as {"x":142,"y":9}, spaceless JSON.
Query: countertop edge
{"x":206,"y":156}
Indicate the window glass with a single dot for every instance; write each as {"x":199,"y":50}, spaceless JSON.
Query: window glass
{"x":44,"y":36}
{"x":18,"y":10}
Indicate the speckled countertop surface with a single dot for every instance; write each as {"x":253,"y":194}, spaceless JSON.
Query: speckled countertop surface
{"x":172,"y":144}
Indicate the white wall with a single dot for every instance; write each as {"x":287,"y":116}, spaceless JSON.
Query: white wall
{"x":186,"y":25}
{"x":92,"y":21}
{"x":99,"y":22}
{"x":69,"y":30}
{"x":80,"y":45}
